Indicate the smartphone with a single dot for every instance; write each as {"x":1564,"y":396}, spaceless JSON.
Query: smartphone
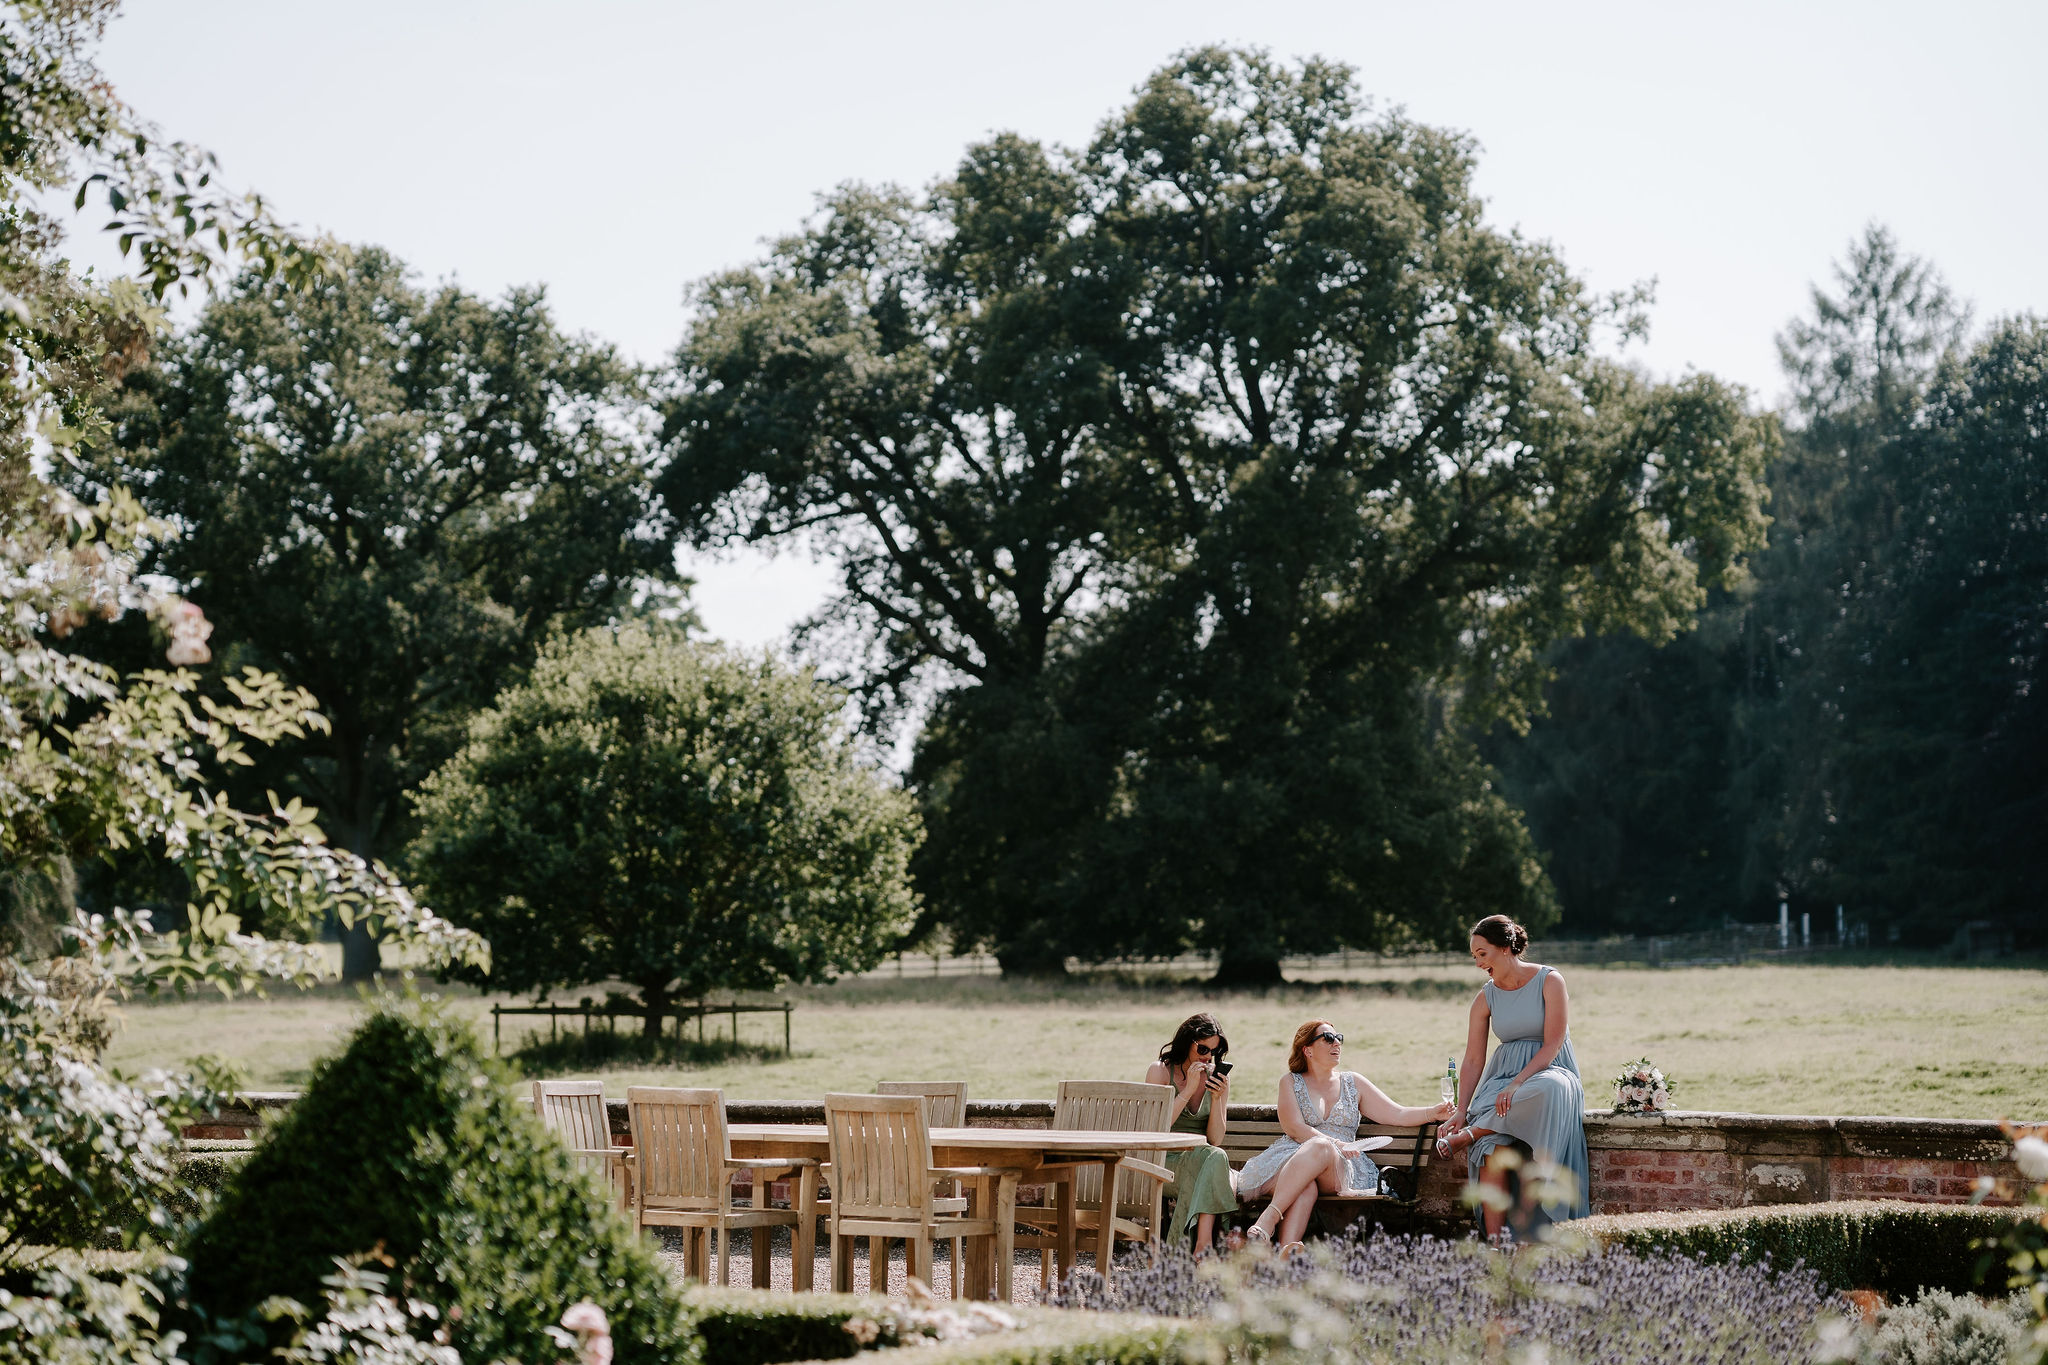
{"x":1223,"y":1068}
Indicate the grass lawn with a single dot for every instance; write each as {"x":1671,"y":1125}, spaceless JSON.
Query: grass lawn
{"x":1942,"y":1042}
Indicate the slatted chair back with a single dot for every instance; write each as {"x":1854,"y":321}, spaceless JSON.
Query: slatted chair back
{"x":681,"y":1147}
{"x":945,"y":1102}
{"x":881,"y":1149}
{"x":574,"y":1110}
{"x":1113,"y":1107}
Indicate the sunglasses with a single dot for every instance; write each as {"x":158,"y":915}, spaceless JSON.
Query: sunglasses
{"x":1327,"y":1037}
{"x":1207,"y":1051}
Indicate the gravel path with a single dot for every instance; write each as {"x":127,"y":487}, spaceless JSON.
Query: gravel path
{"x":1023,"y":1281}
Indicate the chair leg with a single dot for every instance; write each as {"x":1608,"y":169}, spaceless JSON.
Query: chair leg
{"x":917,"y":1253}
{"x":842,"y":1263}
{"x":762,"y":1256}
{"x":878,"y":1265}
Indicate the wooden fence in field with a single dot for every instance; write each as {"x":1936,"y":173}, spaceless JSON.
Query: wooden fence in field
{"x":1736,"y":943}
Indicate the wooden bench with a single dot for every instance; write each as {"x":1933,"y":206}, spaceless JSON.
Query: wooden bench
{"x":1404,"y":1159}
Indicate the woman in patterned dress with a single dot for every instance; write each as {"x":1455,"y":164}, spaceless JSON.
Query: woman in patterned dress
{"x":1320,"y":1110}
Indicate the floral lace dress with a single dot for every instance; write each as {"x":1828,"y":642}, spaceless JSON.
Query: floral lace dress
{"x":1341,"y":1124}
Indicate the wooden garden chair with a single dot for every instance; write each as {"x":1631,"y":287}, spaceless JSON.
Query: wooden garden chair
{"x":574,"y":1111}
{"x":945,"y":1106}
{"x":683,"y":1179}
{"x":885,"y":1186}
{"x":1115,"y":1107}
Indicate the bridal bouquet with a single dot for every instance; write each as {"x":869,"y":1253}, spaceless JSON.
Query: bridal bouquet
{"x":1640,"y":1088}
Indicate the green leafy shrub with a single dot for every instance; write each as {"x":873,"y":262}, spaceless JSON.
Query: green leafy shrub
{"x":408,"y":1141}
{"x":1940,"y":1328}
{"x":755,"y":1327}
{"x":1886,"y":1245}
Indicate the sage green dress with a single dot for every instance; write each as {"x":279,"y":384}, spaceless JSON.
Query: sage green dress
{"x":1201,"y":1175}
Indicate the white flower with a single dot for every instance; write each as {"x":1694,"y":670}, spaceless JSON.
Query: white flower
{"x":2032,"y":1155}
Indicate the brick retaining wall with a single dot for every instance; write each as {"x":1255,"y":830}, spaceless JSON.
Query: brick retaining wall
{"x":1640,"y":1163}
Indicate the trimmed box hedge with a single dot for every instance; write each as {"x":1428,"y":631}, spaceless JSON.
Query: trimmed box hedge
{"x":760,"y":1327}
{"x":1883,"y":1244}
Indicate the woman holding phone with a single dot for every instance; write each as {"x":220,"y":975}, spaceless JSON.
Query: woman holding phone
{"x":1193,"y":1064}
{"x":1320,"y":1110}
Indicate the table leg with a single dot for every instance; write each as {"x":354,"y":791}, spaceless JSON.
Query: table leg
{"x":1006,"y":1235}
{"x":1066,"y":1232}
{"x":978,"y":1275}
{"x":1105,"y":1237}
{"x":761,"y":1259}
{"x":803,"y":1243}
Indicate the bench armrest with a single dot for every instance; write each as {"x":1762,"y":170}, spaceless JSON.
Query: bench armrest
{"x":1144,"y":1167}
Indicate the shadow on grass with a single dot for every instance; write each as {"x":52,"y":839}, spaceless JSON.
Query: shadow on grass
{"x":582,"y":1052}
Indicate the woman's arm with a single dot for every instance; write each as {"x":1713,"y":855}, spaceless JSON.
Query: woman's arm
{"x":1159,"y":1073}
{"x":1556,"y":1018}
{"x":1219,"y":1110}
{"x":1291,"y":1121}
{"x":1475,"y":1056}
{"x":1375,"y":1107}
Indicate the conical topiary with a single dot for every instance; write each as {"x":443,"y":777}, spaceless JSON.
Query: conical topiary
{"x":408,"y":1141}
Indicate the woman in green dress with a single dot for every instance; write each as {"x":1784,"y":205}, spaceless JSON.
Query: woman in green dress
{"x":1202,"y":1179}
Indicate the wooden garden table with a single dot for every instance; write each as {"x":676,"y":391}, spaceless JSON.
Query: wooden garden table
{"x":1031,"y":1150}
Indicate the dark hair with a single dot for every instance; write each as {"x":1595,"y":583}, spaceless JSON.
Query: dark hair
{"x":1502,"y":932}
{"x":1192,"y":1030}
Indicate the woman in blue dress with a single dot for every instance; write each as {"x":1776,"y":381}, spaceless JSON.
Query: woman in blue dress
{"x":1320,"y":1110}
{"x":1530,"y":1092}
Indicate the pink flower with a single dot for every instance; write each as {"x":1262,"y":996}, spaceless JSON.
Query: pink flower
{"x":586,"y":1317}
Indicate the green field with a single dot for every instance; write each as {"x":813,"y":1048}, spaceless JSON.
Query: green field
{"x":1944,"y":1042}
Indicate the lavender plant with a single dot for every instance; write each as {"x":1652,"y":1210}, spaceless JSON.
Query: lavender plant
{"x":1423,"y":1299}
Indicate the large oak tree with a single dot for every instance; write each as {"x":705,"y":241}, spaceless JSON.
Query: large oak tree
{"x":1203,"y":476}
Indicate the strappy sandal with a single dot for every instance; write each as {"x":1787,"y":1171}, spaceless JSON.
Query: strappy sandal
{"x":1292,"y":1250}
{"x":1256,"y":1236}
{"x":1446,"y":1145}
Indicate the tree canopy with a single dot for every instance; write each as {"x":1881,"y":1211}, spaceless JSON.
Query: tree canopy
{"x":671,"y":815}
{"x":1195,"y":481}
{"x":389,"y":496}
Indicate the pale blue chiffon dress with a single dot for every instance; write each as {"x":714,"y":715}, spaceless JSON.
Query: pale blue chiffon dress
{"x":1341,"y":1123}
{"x":1549,"y":1112}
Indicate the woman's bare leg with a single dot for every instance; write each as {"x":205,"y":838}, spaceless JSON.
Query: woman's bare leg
{"x":1205,"y":1231}
{"x":1317,"y":1159}
{"x":1494,"y":1177}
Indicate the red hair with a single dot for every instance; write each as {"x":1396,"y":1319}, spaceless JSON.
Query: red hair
{"x":1297,"y":1059}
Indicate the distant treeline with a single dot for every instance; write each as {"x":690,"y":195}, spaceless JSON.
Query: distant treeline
{"x":1863,"y":720}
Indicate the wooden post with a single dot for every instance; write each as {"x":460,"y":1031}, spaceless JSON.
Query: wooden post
{"x":700,"y":1021}
{"x":736,"y":1039}
{"x":496,"y":1022}
{"x":785,"y":1028}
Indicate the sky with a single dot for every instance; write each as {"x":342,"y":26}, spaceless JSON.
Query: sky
{"x":616,"y":150}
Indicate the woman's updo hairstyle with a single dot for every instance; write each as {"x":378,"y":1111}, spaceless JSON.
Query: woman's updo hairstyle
{"x":1192,"y":1030}
{"x":1502,"y":932}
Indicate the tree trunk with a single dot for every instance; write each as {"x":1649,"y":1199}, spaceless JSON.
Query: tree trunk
{"x":1245,"y":965}
{"x":655,"y":1000}
{"x":360,"y":960}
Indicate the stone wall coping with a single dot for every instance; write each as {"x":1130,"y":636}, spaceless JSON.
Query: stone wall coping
{"x":1878,"y":1135}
